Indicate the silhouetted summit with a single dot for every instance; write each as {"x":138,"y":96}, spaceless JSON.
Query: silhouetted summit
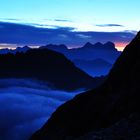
{"x":98,"y":45}
{"x":47,"y":65}
{"x":59,"y":48}
{"x":109,"y":109}
{"x":87,"y":45}
{"x":13,"y":51}
{"x":22,"y":49}
{"x":109,"y":45}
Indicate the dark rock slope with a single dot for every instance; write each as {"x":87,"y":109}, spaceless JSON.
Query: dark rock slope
{"x":116,"y":100}
{"x":46,"y":65}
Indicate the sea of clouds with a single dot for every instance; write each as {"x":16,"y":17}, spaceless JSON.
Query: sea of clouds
{"x":25,"y":105}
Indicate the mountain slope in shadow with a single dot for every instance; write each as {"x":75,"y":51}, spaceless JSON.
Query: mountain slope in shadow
{"x":46,"y":65}
{"x":117,"y":99}
{"x":95,"y":67}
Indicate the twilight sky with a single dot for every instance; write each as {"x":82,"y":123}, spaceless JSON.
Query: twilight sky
{"x":72,"y":22}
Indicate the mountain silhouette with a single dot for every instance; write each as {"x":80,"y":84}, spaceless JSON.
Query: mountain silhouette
{"x":5,"y":51}
{"x":112,"y":106}
{"x":13,"y":51}
{"x":59,"y":48}
{"x":97,"y":46}
{"x":21,"y":49}
{"x":89,"y":52}
{"x":46,"y":65}
{"x":110,"y":46}
{"x":88,"y":45}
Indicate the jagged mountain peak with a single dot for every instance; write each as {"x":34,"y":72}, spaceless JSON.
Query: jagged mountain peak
{"x":87,"y":45}
{"x":109,"y":45}
{"x":54,"y":45}
{"x":98,"y":44}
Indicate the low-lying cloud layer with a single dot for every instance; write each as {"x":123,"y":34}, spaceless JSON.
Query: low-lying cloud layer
{"x":21,"y":34}
{"x":25,"y":106}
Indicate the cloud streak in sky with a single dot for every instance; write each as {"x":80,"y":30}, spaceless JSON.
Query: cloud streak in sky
{"x":63,"y":20}
{"x":21,"y":34}
{"x":109,"y":25}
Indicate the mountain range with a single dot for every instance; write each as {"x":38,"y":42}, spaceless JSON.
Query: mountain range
{"x":90,"y":53}
{"x":46,"y":65}
{"x":85,"y":57}
{"x":108,"y":112}
{"x":14,"y":51}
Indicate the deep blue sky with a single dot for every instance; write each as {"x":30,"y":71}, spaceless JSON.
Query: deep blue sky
{"x":81,"y":15}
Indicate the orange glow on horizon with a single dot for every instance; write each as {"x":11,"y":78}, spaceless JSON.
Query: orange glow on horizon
{"x":121,"y":45}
